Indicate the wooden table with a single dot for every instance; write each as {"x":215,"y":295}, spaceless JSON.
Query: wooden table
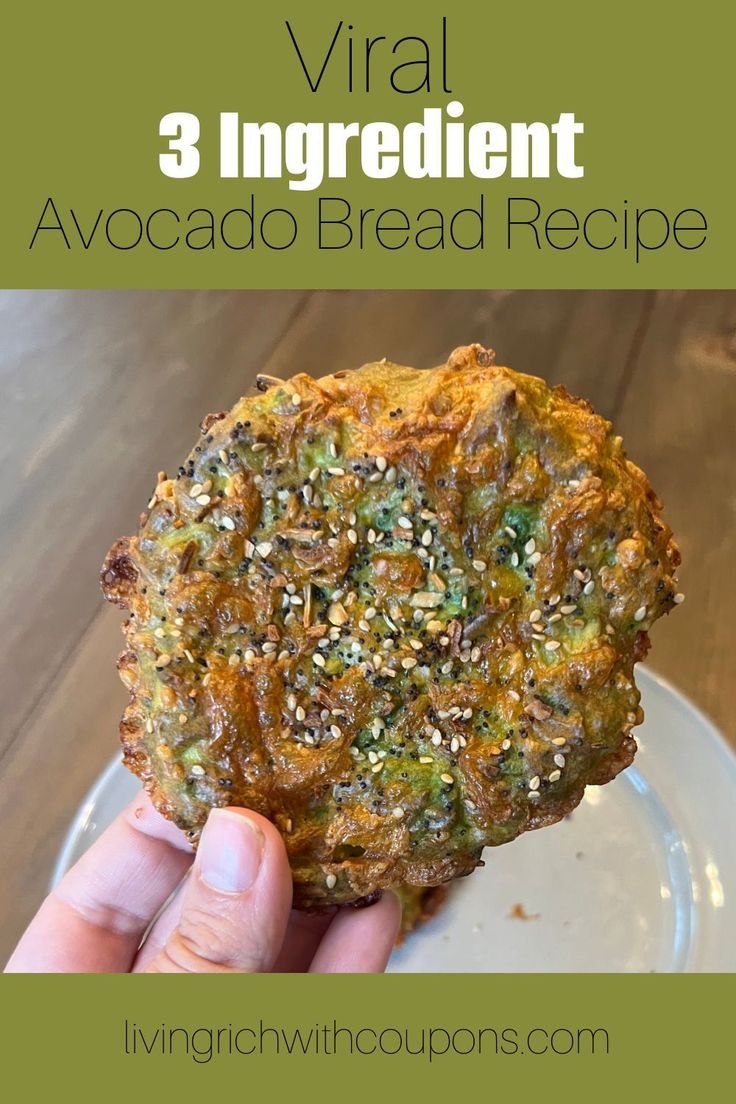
{"x":101,"y":389}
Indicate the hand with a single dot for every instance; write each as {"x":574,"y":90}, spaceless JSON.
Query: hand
{"x":231,"y":914}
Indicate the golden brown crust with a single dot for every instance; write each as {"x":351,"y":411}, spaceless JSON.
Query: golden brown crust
{"x":418,"y":905}
{"x":395,"y":611}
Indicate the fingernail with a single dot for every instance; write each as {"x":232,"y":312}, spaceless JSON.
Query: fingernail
{"x":230,"y":851}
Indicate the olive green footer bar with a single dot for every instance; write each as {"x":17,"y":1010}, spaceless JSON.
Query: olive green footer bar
{"x":567,"y":1036}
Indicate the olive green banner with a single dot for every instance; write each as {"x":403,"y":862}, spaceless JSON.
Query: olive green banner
{"x":466,"y":145}
{"x":436,"y":1036}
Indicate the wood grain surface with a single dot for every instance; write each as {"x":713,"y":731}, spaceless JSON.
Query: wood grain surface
{"x":101,"y":389}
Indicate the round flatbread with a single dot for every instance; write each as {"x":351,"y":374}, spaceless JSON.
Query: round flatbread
{"x":395,"y":611}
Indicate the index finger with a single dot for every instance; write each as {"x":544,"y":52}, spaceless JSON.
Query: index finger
{"x":94,"y":920}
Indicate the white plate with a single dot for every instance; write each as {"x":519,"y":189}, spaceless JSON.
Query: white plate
{"x":642,"y":877}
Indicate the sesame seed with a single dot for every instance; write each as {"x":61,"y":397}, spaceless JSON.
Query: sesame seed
{"x":352,"y":536}
{"x":454,"y":744}
{"x":467,"y":714}
{"x":163,"y":661}
{"x":228,"y":523}
{"x":264,"y":548}
{"x":318,"y":660}
{"x":331,"y":881}
{"x":336,"y":731}
{"x":559,"y":760}
{"x":203,"y":500}
{"x":223,"y":456}
{"x":259,"y":446}
{"x":377,"y":767}
{"x":560,"y":741}
{"x":447,"y":779}
{"x":426,"y":599}
{"x":474,"y":655}
{"x":505,"y":745}
{"x":390,"y":476}
{"x":436,"y":737}
{"x":530,"y":546}
{"x":534,"y":559}
{"x":370,"y":612}
{"x":291,"y":702}
{"x":336,"y":471}
{"x":408,"y":663}
{"x":397,"y":812}
{"x":510,"y":532}
{"x":679,"y":599}
{"x":426,"y":759}
{"x":404,"y":522}
{"x":640,"y":613}
{"x":534,"y":782}
{"x":480,"y":565}
{"x":535,"y":615}
{"x":554,"y":618}
{"x":567,"y":609}
{"x":195,"y":489}
{"x":381,"y":463}
{"x":197,"y":771}
{"x":268,"y":647}
{"x":296,"y":399}
{"x":427,"y":538}
{"x":589,"y":587}
{"x":552,"y":645}
{"x":554,"y":776}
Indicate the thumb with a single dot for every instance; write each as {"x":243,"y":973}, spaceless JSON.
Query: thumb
{"x":236,"y":903}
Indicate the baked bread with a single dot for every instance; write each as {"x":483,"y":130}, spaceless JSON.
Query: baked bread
{"x":395,"y":611}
